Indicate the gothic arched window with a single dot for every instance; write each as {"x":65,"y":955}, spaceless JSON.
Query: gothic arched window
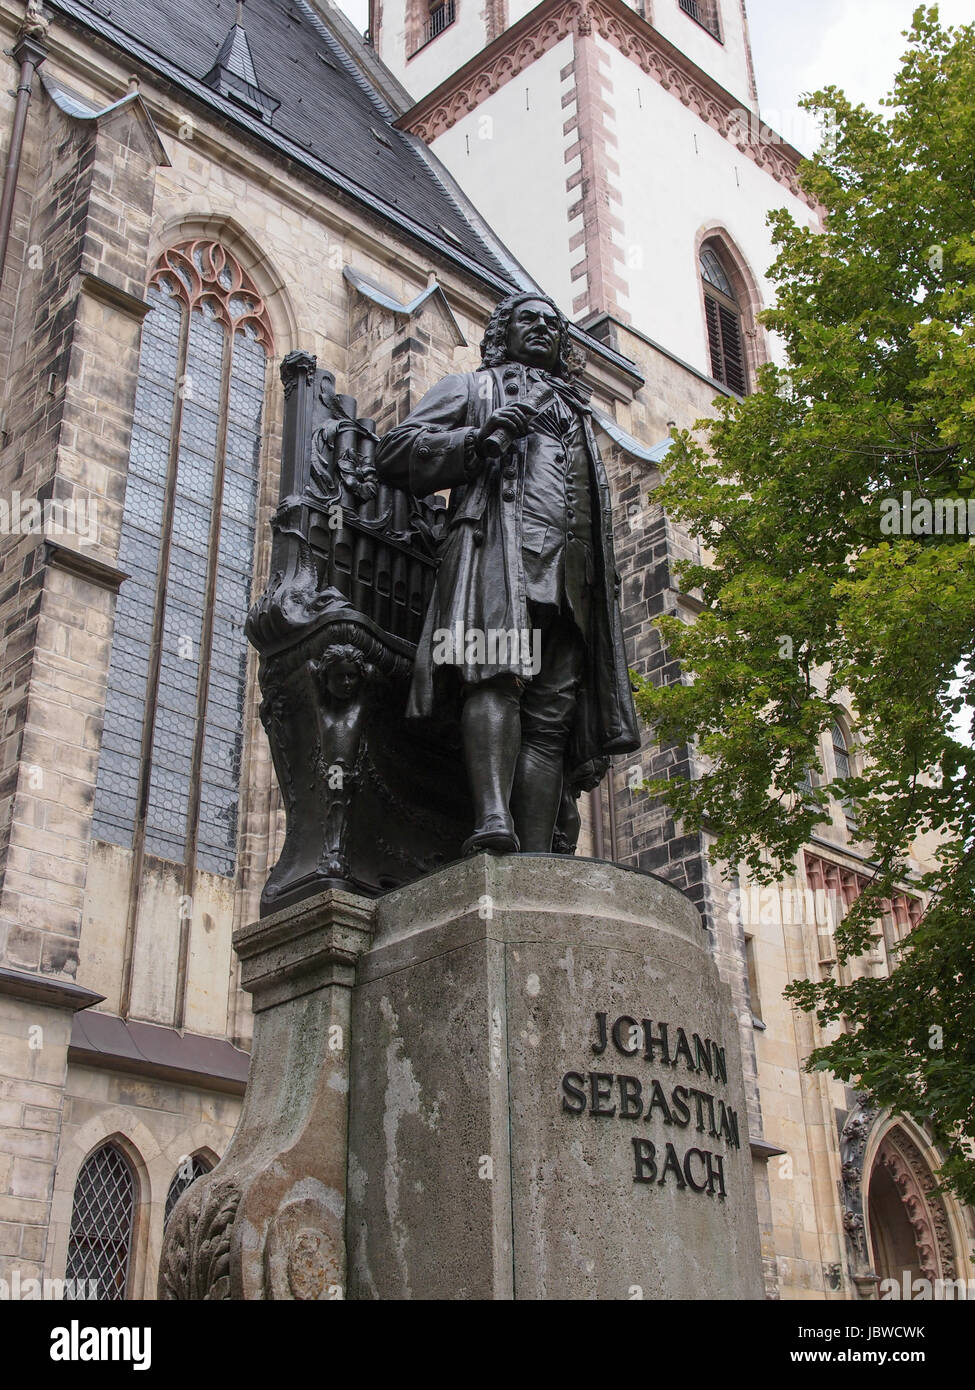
{"x":169,"y":770}
{"x":722,"y":315}
{"x":102,"y":1220}
{"x":843,"y":765}
{"x":185,"y":1176}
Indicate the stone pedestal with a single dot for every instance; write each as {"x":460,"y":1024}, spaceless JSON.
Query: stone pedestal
{"x":546,"y":1093}
{"x":269,"y":1221}
{"x":516,"y":1078}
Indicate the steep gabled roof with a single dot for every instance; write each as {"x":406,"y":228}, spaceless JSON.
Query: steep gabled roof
{"x":330,"y":117}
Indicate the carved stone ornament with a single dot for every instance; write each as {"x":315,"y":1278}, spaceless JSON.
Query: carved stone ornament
{"x":853,"y":1142}
{"x":34,"y":25}
{"x":195,"y":1262}
{"x":204,"y":275}
{"x":923,"y":1204}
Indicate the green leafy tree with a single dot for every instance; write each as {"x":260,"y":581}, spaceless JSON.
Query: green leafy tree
{"x":812,"y":587}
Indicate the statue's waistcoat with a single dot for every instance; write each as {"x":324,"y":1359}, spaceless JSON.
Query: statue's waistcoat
{"x":556,"y":529}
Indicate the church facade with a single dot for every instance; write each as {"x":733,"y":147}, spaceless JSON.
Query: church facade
{"x":200,"y":190}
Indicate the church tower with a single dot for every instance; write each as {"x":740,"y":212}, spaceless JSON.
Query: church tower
{"x":633,"y":136}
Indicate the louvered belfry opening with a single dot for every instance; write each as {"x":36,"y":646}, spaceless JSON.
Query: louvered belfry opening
{"x":723,"y":318}
{"x":102,"y":1218}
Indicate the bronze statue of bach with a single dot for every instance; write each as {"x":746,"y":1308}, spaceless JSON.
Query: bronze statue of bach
{"x":524,"y":621}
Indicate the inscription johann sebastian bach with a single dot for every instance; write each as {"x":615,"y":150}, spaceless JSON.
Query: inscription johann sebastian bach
{"x":642,"y":1100}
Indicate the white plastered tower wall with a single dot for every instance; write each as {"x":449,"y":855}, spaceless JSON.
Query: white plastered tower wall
{"x":605,"y":156}
{"x":677,"y":178}
{"x":509,"y":154}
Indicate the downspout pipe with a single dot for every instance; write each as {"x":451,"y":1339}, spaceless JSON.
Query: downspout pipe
{"x":30,"y":53}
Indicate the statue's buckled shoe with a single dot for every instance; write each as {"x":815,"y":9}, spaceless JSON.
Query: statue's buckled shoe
{"x":497,"y":834}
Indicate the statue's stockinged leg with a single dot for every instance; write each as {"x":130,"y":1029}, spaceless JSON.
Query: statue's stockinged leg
{"x":547,"y":711}
{"x":535,"y":798}
{"x":491,"y":728}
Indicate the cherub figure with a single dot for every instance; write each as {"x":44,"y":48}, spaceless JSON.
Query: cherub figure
{"x":339,"y":676}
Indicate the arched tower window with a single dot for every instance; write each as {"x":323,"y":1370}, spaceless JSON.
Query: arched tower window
{"x":169,"y":769}
{"x":841,"y":752}
{"x":185,"y":1176}
{"x":425,"y":20}
{"x":843,"y":765}
{"x":722,"y":314}
{"x":706,"y":14}
{"x":102,"y":1219}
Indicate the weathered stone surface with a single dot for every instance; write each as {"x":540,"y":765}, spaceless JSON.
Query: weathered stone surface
{"x":269,"y":1221}
{"x":470,"y":1174}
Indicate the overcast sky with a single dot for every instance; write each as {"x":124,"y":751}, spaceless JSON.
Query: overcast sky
{"x":800,"y":45}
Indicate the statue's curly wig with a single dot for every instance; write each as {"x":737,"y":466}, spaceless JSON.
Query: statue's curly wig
{"x":494,"y":344}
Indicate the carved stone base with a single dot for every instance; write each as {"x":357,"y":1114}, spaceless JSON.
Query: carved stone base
{"x":528,"y":1087}
{"x":269,"y":1221}
{"x":510,"y":1138}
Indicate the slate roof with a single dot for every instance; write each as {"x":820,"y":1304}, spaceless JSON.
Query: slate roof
{"x":330,"y":117}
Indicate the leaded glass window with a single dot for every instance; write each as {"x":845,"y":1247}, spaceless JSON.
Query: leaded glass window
{"x":185,"y":1176}
{"x":169,"y":771}
{"x":100,"y":1238}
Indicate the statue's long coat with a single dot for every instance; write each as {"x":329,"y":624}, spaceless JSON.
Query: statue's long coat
{"x":481,"y":580}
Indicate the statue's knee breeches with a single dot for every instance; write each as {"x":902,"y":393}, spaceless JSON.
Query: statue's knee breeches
{"x":548,"y":703}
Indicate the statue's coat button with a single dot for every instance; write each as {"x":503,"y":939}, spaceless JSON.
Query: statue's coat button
{"x":508,"y":494}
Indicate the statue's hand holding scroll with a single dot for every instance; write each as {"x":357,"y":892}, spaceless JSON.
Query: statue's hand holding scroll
{"x":511,"y":422}
{"x":503,"y":427}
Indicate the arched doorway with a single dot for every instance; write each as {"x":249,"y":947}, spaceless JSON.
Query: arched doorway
{"x":910,"y":1233}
